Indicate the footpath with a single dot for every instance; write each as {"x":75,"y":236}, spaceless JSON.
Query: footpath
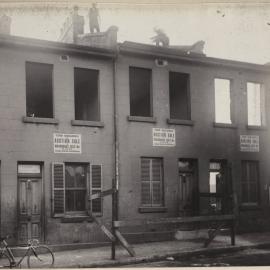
{"x":154,"y":251}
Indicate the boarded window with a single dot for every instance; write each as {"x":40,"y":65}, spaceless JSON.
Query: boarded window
{"x":140,"y":92}
{"x":256,"y":104}
{"x":86,"y":94}
{"x":222,"y":101}
{"x":152,"y":182}
{"x":179,"y":96}
{"x":250,"y":183}
{"x":39,"y":97}
{"x":72,"y":184}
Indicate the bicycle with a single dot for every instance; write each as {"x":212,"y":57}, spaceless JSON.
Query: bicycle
{"x":38,"y":256}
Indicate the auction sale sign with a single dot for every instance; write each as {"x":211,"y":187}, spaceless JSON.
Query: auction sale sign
{"x":67,"y":143}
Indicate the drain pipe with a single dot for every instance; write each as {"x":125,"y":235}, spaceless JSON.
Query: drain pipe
{"x":115,"y":181}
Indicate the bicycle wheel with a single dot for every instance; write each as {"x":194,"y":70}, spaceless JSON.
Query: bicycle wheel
{"x":40,"y":257}
{"x":4,"y":261}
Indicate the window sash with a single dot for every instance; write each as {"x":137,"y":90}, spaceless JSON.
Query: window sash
{"x":60,"y":190}
{"x":250,"y":183}
{"x":151,"y":187}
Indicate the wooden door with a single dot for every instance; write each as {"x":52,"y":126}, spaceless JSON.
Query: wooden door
{"x":29,"y":209}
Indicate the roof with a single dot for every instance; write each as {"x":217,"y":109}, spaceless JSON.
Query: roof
{"x":167,"y":53}
{"x":15,"y":41}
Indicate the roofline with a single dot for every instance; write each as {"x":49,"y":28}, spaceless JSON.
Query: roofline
{"x":138,"y":49}
{"x":56,"y":46}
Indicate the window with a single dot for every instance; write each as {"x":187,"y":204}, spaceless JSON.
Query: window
{"x":152,"y":182}
{"x":222,"y":101}
{"x":256,"y":104}
{"x":140,"y":92}
{"x":250,"y":183}
{"x":179,"y":96}
{"x":72,"y":185}
{"x":86,"y":94}
{"x":39,"y":96}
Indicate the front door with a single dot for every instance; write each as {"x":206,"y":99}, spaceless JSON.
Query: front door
{"x":187,"y":188}
{"x":29,"y":209}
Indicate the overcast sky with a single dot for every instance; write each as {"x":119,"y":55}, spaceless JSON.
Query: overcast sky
{"x":230,"y":31}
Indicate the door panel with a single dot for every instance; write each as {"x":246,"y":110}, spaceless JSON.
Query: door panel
{"x":29,"y":209}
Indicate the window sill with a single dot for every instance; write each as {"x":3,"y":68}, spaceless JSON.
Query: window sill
{"x":180,"y":122}
{"x":87,"y":123}
{"x":76,"y":219}
{"x":224,"y":125}
{"x":152,"y":209}
{"x":38,"y":120}
{"x":142,"y":119}
{"x":257,"y":127}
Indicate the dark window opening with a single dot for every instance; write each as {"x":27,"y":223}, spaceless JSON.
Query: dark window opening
{"x":86,"y":94}
{"x":39,"y":97}
{"x":179,"y":96}
{"x":140,"y":92}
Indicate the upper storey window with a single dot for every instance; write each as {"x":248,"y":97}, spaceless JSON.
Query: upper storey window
{"x":179,"y":96}
{"x":223,"y":101}
{"x":39,"y":93}
{"x":256,"y":104}
{"x":140,"y":92}
{"x":86,"y":94}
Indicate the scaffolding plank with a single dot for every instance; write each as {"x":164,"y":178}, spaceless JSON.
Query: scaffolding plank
{"x":124,"y":243}
{"x":104,"y":229}
{"x":120,"y":223}
{"x":101,"y":194}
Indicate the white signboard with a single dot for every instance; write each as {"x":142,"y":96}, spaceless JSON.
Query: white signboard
{"x":249,"y":143}
{"x":67,"y":143}
{"x":163,"y":137}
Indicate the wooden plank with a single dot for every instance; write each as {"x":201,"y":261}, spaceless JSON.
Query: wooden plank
{"x":101,"y":194}
{"x":213,"y":234}
{"x":179,"y":220}
{"x":104,"y":229}
{"x":124,"y":243}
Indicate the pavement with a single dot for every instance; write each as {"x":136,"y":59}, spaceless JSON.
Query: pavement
{"x":154,"y":251}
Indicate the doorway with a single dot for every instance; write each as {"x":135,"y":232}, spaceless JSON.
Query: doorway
{"x":30,"y":208}
{"x":188,"y":203}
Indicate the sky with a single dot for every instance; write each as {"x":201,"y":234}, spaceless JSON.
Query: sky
{"x":238,"y":31}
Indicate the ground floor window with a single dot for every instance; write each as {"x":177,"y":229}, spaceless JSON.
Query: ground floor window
{"x":72,"y":185}
{"x":152,"y":182}
{"x":250,"y":182}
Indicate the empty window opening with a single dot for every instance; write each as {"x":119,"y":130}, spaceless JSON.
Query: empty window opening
{"x":86,"y":94}
{"x":39,"y":96}
{"x":256,"y":104}
{"x":250,"y":183}
{"x":222,"y":101}
{"x":179,"y":96}
{"x":152,"y":182}
{"x":140,"y":92}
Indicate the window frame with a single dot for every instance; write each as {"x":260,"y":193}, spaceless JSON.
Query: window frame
{"x":231,"y":107}
{"x":174,"y":120}
{"x":140,"y":118}
{"x":81,"y":122}
{"x":263,"y":114}
{"x":37,"y":119}
{"x":161,"y":205}
{"x":250,"y":204}
{"x":89,"y":190}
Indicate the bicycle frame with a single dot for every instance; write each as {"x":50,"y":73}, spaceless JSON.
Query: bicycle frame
{"x":8,"y":252}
